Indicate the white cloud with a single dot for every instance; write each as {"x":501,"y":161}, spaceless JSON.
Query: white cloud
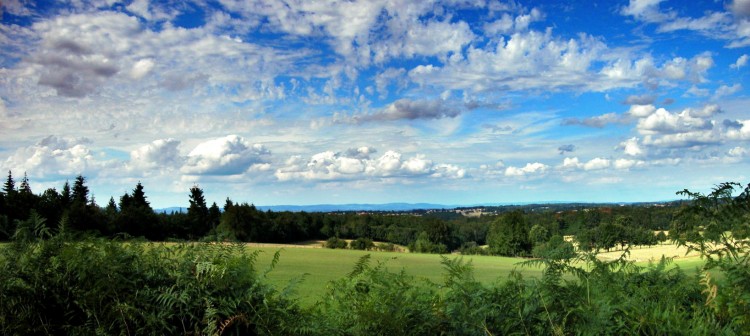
{"x":571,"y":163}
{"x":741,"y":62}
{"x":55,"y":157}
{"x":641,"y":111}
{"x":596,"y":164}
{"x":665,"y":122}
{"x":230,"y":155}
{"x":141,"y":68}
{"x":593,"y":164}
{"x":740,"y":133}
{"x":358,"y":165}
{"x":628,"y":163}
{"x":535,"y":168}
{"x":738,"y":152}
{"x":631,"y":147}
{"x":720,"y":25}
{"x":162,"y":153}
{"x":507,"y":24}
{"x":725,"y":90}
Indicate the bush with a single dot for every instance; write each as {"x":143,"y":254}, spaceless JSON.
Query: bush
{"x":98,"y":286}
{"x":336,"y":243}
{"x":361,"y":244}
{"x":387,"y":247}
{"x":472,"y":248}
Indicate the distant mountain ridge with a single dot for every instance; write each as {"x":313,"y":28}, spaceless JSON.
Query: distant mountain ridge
{"x":406,"y":206}
{"x":337,"y":207}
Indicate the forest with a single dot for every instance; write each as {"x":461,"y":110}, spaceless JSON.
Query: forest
{"x":71,"y":266}
{"x":510,"y":231}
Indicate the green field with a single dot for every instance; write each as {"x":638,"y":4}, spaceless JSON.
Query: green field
{"x":321,"y":266}
{"x":325,"y":265}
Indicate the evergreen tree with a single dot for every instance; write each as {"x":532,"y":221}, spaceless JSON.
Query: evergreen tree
{"x":136,"y":217}
{"x":139,"y":197}
{"x":10,"y":200}
{"x":25,"y":187}
{"x":9,"y":187}
{"x":65,"y":196}
{"x":198,"y":213}
{"x":80,"y":191}
{"x":214,"y":215}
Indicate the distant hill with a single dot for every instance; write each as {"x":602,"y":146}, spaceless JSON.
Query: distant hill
{"x":405,"y":207}
{"x":336,"y":207}
{"x":356,"y":207}
{"x":171,"y":210}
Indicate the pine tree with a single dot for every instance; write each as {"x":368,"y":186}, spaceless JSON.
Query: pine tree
{"x":9,"y":187}
{"x":139,"y":197}
{"x":25,"y":187}
{"x":198,"y":213}
{"x":80,"y":191}
{"x":65,"y":197}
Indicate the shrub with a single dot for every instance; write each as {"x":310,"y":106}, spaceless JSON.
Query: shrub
{"x":361,"y":244}
{"x":336,"y":243}
{"x":98,"y":286}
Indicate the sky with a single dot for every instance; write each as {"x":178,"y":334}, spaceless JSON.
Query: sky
{"x":333,"y":102}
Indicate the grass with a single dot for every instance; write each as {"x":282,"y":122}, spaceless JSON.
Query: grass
{"x":325,"y":265}
{"x":320,"y":266}
{"x":316,"y":267}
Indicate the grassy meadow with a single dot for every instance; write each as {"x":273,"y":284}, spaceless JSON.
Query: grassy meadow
{"x":321,"y":266}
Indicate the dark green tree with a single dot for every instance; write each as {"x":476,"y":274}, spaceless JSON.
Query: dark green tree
{"x":198,"y":213}
{"x":509,"y":235}
{"x":66,"y":198}
{"x":80,"y":193}
{"x":136,"y":217}
{"x":10,"y":185}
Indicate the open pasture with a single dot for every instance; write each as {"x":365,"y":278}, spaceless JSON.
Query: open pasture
{"x":324,"y":265}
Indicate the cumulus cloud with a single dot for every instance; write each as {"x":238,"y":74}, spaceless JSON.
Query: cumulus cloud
{"x":357,"y":164}
{"x":162,"y":153}
{"x":593,"y":164}
{"x":535,"y":168}
{"x":631,"y":147}
{"x":628,"y":163}
{"x":407,"y":109}
{"x":55,"y":157}
{"x":640,"y":111}
{"x":739,"y":133}
{"x":665,"y":122}
{"x":230,"y":155}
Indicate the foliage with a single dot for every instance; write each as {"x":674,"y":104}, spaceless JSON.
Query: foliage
{"x":373,"y":301}
{"x":361,"y":244}
{"x":336,"y":243}
{"x":718,"y":226}
{"x":98,"y":286}
{"x":509,"y":235}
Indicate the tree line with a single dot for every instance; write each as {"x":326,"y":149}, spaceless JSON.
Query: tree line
{"x":513,"y":231}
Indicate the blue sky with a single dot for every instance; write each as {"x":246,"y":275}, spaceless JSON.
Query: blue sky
{"x":309,"y":102}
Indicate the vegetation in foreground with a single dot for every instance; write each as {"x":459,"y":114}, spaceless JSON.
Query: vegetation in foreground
{"x":51,"y":283}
